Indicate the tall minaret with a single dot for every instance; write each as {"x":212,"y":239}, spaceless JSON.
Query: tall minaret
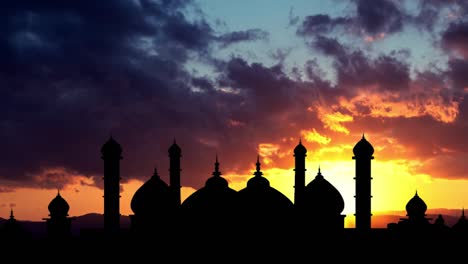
{"x":299,"y":173}
{"x":111,"y":154}
{"x":174,"y":171}
{"x":363,"y":151}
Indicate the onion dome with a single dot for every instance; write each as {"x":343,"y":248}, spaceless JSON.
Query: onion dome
{"x":322,"y":198}
{"x":259,"y":197}
{"x":174,"y":149}
{"x":216,"y":196}
{"x":111,"y":147}
{"x":152,"y":198}
{"x":363,"y":148}
{"x":58,"y":207}
{"x":416,"y":207}
{"x":300,"y":149}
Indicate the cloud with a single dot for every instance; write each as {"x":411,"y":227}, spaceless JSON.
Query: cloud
{"x":241,"y":36}
{"x":455,"y":37}
{"x":377,"y":17}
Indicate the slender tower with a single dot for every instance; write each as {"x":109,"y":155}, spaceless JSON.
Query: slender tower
{"x":363,"y":151}
{"x":111,"y":154}
{"x":300,"y":153}
{"x":174,"y":172}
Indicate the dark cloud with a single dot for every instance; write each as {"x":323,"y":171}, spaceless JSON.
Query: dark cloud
{"x":458,"y":69}
{"x":241,"y":36}
{"x":379,"y":16}
{"x":319,"y":24}
{"x":355,"y":69}
{"x":74,"y":73}
{"x":455,"y":38}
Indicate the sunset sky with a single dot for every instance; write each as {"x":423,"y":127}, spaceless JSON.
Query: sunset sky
{"x":235,"y":79}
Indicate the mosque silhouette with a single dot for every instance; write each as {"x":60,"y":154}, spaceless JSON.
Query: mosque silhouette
{"x":258,"y":212}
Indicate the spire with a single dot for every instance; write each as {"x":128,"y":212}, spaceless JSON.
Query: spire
{"x":12,"y":217}
{"x":363,"y":137}
{"x":216,"y":172}
{"x":463,"y":212}
{"x":155,"y":173}
{"x":319,"y":173}
{"x":258,"y":172}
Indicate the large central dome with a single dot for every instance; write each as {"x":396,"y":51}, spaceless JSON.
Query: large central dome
{"x":215,"y":196}
{"x":322,"y":197}
{"x":259,"y":197}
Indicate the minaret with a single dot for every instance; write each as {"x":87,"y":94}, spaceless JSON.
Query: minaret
{"x":363,"y":151}
{"x":174,"y":172}
{"x":111,"y":154}
{"x":300,"y":153}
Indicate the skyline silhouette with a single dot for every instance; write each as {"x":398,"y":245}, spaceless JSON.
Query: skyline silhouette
{"x":159,"y":210}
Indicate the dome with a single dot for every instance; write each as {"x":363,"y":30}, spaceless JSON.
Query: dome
{"x":259,"y":197}
{"x":215,"y":196}
{"x":300,"y":149}
{"x":363,"y":148}
{"x":322,"y":197}
{"x":174,"y":149}
{"x":416,"y":207}
{"x":58,"y":207}
{"x":111,"y":147}
{"x":152,"y":197}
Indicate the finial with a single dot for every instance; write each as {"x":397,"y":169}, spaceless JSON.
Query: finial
{"x":416,"y":193}
{"x":319,"y":169}
{"x":463,"y":212}
{"x":216,"y":172}
{"x":11,"y":214}
{"x":300,"y":140}
{"x":174,"y":141}
{"x":155,"y":173}
{"x":58,"y":191}
{"x":363,"y":137}
{"x":258,"y":171}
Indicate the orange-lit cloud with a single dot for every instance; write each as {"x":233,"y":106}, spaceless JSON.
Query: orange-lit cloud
{"x":333,"y":120}
{"x":370,"y":39}
{"x":314,"y":136}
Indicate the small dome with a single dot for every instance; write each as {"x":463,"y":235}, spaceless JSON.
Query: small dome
{"x":322,"y":197}
{"x":58,"y":207}
{"x":174,"y":149}
{"x":152,"y":197}
{"x":111,"y":147}
{"x":300,"y":149}
{"x":416,"y":207}
{"x":363,"y":148}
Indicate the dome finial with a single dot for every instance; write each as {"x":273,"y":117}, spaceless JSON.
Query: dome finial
{"x":155,"y":172}
{"x":319,"y":169}
{"x":258,"y":172}
{"x":216,"y":172}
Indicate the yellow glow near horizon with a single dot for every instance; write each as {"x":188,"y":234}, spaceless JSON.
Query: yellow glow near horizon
{"x":393,"y":185}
